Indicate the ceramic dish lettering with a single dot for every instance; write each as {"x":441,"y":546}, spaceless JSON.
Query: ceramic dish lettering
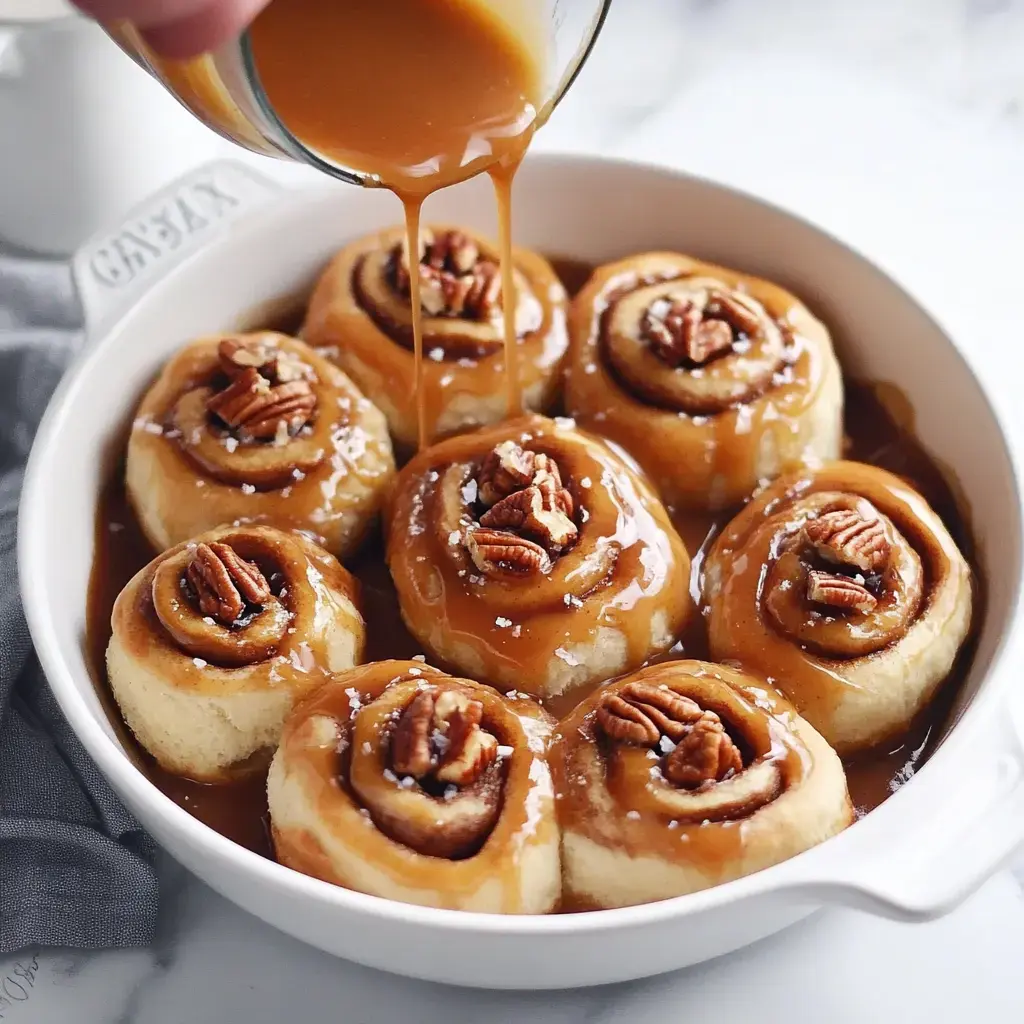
{"x":876,"y":863}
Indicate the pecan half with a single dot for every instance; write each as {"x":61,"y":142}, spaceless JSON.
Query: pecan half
{"x":506,"y":468}
{"x":694,"y":329}
{"x":257,"y":409}
{"x":440,"y":736}
{"x":705,"y":754}
{"x":839,"y":592}
{"x":454,"y":280}
{"x":500,"y":553}
{"x":848,"y":537}
{"x":236,"y":355}
{"x":640,"y":714}
{"x":537,"y":513}
{"x":224,"y":583}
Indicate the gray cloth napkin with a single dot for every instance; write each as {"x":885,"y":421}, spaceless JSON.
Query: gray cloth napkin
{"x":75,"y":867}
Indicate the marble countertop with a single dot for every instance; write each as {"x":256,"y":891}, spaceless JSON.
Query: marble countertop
{"x":899,"y":127}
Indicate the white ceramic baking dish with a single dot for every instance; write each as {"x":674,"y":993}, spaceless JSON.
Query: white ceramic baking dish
{"x":203,"y":253}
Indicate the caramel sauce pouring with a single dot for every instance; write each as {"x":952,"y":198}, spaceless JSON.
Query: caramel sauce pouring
{"x":429,"y":93}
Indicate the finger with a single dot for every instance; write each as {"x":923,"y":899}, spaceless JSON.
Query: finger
{"x":203,"y":30}
{"x":143,"y":14}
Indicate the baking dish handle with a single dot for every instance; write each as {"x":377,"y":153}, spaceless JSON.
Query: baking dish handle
{"x":112,"y":269}
{"x":958,"y":838}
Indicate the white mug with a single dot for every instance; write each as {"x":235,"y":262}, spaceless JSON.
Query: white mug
{"x":84,"y":133}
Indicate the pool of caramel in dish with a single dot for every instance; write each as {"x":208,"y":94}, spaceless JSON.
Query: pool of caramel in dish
{"x":879,"y":430}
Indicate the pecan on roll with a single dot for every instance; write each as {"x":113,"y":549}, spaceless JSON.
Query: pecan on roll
{"x":217,"y":638}
{"x":734,"y":376}
{"x":844,"y":586}
{"x":360,"y":316}
{"x":404,"y":782}
{"x":533,"y":556}
{"x":257,"y":427}
{"x":686,"y":775}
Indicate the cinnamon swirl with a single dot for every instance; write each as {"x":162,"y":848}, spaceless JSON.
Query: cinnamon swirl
{"x":403,"y":782}
{"x":845,"y":588}
{"x":257,"y":428}
{"x":530,"y":555}
{"x":360,"y":312}
{"x":733,"y":375}
{"x":215,"y":640}
{"x":683,"y":776}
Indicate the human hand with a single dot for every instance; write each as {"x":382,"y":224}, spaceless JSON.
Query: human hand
{"x":178,"y":28}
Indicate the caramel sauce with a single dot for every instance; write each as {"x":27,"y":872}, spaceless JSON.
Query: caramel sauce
{"x":428,"y":93}
{"x":238,"y":811}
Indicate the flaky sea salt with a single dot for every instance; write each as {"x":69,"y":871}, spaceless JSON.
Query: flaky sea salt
{"x":633,"y":815}
{"x":567,"y":656}
{"x":502,"y":623}
{"x":504,"y":751}
{"x":248,"y":489}
{"x":199,"y":663}
{"x":517,"y":630}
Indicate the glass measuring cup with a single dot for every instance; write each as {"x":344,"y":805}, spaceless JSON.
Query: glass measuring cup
{"x":223,"y":88}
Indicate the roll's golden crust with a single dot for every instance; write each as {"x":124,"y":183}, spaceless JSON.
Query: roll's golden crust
{"x":206,"y":695}
{"x":683,"y":776}
{"x":189,"y":471}
{"x":362,"y":317}
{"x":403,"y":782}
{"x":843,"y":586}
{"x":548,"y":583}
{"x":732,"y":374}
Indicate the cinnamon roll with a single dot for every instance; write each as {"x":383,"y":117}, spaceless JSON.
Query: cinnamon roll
{"x":844,"y":587}
{"x":683,"y":776}
{"x":215,"y":640}
{"x":733,"y":375}
{"x":403,"y":782}
{"x":530,"y":555}
{"x":257,"y":428}
{"x":360,"y":311}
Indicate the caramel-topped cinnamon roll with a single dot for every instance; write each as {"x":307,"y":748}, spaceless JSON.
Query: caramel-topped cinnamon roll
{"x":530,"y":555}
{"x":843,"y":587}
{"x":361,"y":311}
{"x":733,"y":376}
{"x":214,"y":641}
{"x":684,"y":776}
{"x":400,"y":781}
{"x":257,"y":428}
